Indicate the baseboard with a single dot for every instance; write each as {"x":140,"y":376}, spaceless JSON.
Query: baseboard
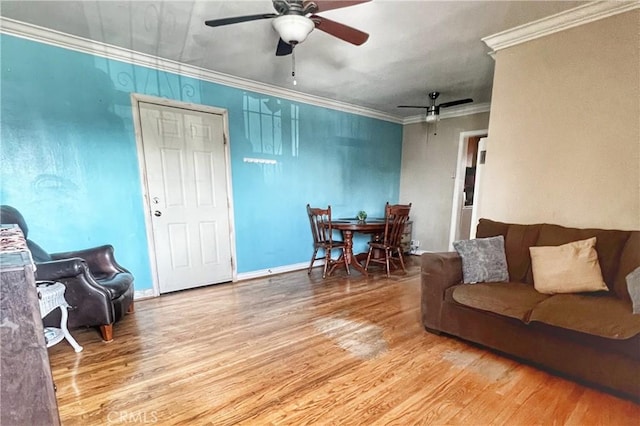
{"x":149,"y":293}
{"x":277,"y":270}
{"x":143,"y":294}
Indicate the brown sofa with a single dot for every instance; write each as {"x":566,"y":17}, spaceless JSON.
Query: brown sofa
{"x":590,"y":337}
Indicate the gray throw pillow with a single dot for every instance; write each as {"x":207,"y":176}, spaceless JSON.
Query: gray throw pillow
{"x":483,"y":259}
{"x":633,"y":285}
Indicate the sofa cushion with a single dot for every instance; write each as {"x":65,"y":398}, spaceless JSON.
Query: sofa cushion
{"x":483,"y":259}
{"x":517,"y":240}
{"x":629,"y":260}
{"x":511,"y":299}
{"x":569,"y":268}
{"x":596,"y":314}
{"x":609,"y":245}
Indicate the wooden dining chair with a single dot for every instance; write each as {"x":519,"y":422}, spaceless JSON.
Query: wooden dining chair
{"x":396,"y":217}
{"x":320,"y":220}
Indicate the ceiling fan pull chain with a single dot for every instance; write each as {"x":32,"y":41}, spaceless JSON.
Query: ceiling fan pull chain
{"x":293,"y":64}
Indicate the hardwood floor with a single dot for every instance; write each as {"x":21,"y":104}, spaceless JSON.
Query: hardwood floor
{"x":296,"y":349}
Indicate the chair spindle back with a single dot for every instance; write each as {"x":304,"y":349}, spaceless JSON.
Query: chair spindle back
{"x":396,"y":217}
{"x":320,"y":220}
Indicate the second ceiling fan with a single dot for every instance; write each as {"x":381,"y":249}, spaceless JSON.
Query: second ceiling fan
{"x":295,"y":19}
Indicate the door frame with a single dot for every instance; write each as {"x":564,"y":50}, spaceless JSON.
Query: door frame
{"x":136,"y":99}
{"x":458,"y":188}
{"x":480,"y":170}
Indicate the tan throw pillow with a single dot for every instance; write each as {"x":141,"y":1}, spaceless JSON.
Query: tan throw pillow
{"x":569,"y":268}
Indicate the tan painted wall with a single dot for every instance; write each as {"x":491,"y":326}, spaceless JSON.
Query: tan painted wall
{"x":428,"y":176}
{"x":564,"y":133}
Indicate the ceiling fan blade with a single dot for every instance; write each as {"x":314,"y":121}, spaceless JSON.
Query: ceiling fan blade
{"x":283,"y":48}
{"x":454,"y":103}
{"x":238,"y":19}
{"x":412,"y":106}
{"x":324,"y":5}
{"x":341,"y":31}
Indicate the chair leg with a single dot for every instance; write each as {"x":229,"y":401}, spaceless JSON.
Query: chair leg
{"x":313,"y":259}
{"x":327,"y":262}
{"x":401,"y":259}
{"x":131,"y":308}
{"x":366,"y":265}
{"x":107,"y":332}
{"x":387,"y":254}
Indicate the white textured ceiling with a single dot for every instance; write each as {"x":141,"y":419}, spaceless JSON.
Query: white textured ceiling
{"x":414,"y":46}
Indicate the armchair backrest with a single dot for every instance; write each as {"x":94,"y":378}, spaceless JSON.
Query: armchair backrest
{"x":11,"y":215}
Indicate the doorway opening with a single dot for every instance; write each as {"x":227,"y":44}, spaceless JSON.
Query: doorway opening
{"x":465,"y":192}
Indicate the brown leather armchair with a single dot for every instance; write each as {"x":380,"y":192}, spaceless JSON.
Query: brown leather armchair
{"x":99,"y":290}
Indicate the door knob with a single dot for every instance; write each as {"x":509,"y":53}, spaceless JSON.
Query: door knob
{"x":157,"y":213}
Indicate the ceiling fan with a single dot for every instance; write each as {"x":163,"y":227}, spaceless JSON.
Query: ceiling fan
{"x":295,"y":19}
{"x":433,"y":110}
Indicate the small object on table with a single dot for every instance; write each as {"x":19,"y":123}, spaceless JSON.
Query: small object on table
{"x":51,"y":296}
{"x":362,"y":216}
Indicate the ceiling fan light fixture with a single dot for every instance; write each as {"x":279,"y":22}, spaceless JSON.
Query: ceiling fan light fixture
{"x":432,"y":114}
{"x":293,"y":29}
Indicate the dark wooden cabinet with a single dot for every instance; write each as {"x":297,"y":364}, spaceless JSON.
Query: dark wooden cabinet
{"x":26,"y":385}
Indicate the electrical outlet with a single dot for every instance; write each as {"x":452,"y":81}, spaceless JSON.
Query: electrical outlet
{"x":415,"y":243}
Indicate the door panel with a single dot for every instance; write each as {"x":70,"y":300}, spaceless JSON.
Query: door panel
{"x":173,"y":175}
{"x":209,"y":232}
{"x":186,"y":178}
{"x":205,"y":189}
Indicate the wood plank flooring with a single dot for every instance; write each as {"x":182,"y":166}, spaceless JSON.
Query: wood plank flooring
{"x":294,"y":349}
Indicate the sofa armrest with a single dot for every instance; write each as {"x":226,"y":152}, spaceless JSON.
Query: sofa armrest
{"x":439,"y":271}
{"x":99,"y":259}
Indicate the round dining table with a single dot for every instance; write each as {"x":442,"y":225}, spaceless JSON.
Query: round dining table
{"x":348,"y":227}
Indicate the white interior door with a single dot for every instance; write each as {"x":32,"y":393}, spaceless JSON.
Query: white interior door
{"x":187,"y":187}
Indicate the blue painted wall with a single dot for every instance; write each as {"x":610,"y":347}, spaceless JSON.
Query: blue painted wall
{"x":69,"y":160}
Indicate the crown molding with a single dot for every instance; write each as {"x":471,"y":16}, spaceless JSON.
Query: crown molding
{"x":559,"y":22}
{"x":451,"y":113}
{"x":79,"y":44}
